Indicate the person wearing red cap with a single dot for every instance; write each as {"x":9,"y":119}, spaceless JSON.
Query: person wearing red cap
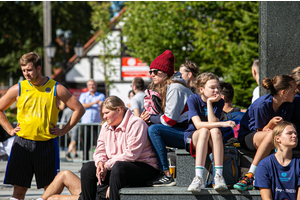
{"x":167,"y":129}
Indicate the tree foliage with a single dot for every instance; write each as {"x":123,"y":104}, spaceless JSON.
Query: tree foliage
{"x":221,"y":37}
{"x":102,"y":14}
{"x":22,"y":30}
{"x":21,"y":33}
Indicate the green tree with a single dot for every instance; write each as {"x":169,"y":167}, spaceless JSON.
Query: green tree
{"x":227,"y":43}
{"x":152,"y":27}
{"x":101,"y":19}
{"x":22,"y":30}
{"x":21,"y":33}
{"x":221,"y":37}
{"x":74,"y":16}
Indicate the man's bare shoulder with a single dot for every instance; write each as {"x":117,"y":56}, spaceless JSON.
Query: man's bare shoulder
{"x":62,"y":93}
{"x":61,"y":90}
{"x":14,"y":90}
{"x":9,"y":97}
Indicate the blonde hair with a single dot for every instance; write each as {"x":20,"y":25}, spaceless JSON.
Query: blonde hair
{"x":296,"y":75}
{"x":112,"y":103}
{"x":278,"y":129}
{"x":203,"y":78}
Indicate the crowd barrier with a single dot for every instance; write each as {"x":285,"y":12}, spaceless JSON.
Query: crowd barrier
{"x":81,"y":141}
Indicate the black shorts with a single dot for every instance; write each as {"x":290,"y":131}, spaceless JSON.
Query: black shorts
{"x":32,"y":157}
{"x":247,"y":143}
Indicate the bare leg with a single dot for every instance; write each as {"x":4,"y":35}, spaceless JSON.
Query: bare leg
{"x":71,"y":147}
{"x":74,"y":146}
{"x":217,"y":147}
{"x":63,"y":179}
{"x":19,"y":192}
{"x":262,"y":141}
{"x":200,"y":143}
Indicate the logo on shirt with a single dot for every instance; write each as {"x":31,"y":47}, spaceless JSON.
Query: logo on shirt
{"x":283,"y":174}
{"x":204,"y":111}
{"x":48,"y":90}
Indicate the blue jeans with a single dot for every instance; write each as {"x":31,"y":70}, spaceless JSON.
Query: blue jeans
{"x":162,"y":136}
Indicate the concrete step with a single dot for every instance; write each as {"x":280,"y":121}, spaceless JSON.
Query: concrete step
{"x":185,"y":168}
{"x":185,"y":165}
{"x":179,"y":193}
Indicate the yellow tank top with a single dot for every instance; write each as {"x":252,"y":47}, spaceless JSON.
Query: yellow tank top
{"x":36,"y":110}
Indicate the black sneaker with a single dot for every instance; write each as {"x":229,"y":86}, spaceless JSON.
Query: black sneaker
{"x":162,"y":180}
{"x":68,"y":157}
{"x":76,"y":155}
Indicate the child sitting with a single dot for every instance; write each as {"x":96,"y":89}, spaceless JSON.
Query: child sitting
{"x":204,"y":113}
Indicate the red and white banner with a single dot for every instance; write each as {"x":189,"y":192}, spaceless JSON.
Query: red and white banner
{"x":133,"y":67}
{"x":77,"y":92}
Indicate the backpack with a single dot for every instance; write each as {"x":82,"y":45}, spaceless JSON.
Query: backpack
{"x":229,"y":132}
{"x":231,"y":167}
{"x":152,"y":102}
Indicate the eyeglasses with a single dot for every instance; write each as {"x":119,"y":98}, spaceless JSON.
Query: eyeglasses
{"x":154,"y":71}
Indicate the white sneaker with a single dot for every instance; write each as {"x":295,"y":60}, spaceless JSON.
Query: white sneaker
{"x":196,"y":185}
{"x":219,"y":182}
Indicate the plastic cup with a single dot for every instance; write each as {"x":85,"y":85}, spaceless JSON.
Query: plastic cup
{"x":172,"y":170}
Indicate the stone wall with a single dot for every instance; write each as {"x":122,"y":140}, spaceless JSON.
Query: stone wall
{"x":279,"y":38}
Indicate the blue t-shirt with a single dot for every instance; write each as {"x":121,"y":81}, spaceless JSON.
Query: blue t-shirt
{"x":197,"y":107}
{"x":260,"y":113}
{"x":282,"y":180}
{"x":92,"y":114}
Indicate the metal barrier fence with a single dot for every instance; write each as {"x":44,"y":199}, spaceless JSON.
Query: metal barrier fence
{"x":86,"y":140}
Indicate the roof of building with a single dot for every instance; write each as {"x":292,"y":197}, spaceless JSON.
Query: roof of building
{"x":87,"y":46}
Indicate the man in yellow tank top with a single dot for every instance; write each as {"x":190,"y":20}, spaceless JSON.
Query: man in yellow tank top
{"x":35,"y":149}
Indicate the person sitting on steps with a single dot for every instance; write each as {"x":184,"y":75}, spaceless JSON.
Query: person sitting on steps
{"x":256,"y":126}
{"x":204,"y":113}
{"x":278,"y":175}
{"x":167,"y":129}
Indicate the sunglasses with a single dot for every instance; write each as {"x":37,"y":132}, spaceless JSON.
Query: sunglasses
{"x":154,"y":71}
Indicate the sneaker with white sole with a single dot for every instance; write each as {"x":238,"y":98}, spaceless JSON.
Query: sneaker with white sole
{"x":245,"y":183}
{"x":163,"y":180}
{"x":196,"y":185}
{"x":219,"y":183}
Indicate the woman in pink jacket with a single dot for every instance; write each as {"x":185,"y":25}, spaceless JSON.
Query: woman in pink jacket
{"x":123,"y":157}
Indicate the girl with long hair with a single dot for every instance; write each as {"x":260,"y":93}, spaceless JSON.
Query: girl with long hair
{"x":167,"y":129}
{"x":256,"y":126}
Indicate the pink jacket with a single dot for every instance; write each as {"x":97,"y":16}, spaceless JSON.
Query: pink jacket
{"x":128,"y":142}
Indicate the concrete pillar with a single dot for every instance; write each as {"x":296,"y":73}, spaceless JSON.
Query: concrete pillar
{"x":279,"y":38}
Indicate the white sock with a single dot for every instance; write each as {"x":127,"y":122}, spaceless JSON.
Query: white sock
{"x":199,"y":171}
{"x":39,"y":198}
{"x":252,"y":169}
{"x":219,"y":170}
{"x":12,"y":198}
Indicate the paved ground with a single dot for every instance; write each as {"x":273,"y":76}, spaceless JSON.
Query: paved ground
{"x":33,"y":192}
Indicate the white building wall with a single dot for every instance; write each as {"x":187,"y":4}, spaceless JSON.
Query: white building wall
{"x":81,"y":71}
